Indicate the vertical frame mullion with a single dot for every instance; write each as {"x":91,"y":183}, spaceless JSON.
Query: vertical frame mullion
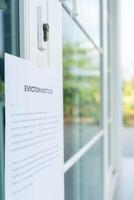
{"x":104,"y":93}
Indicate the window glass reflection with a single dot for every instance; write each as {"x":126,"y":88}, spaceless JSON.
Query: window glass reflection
{"x":109,"y":145}
{"x":89,"y":15}
{"x":9,"y":43}
{"x":85,"y":179}
{"x":9,"y":34}
{"x":81,"y":65}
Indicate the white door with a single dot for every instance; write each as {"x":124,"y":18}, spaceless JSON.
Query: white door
{"x":21,"y":23}
{"x":76,"y":43}
{"x":74,"y":29}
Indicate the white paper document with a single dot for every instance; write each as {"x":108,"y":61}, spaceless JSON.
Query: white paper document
{"x":34,"y":131}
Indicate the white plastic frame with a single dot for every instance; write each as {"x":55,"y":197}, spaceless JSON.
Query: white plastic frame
{"x":115,"y":120}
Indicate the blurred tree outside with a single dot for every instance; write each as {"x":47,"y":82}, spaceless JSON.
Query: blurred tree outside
{"x":82,"y":88}
{"x":81,"y":85}
{"x":128,"y":102}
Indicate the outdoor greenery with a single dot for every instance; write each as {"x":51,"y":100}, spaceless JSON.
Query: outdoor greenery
{"x":81,"y":88}
{"x":128,"y":102}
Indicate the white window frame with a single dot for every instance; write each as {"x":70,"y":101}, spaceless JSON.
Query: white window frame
{"x":109,"y":175}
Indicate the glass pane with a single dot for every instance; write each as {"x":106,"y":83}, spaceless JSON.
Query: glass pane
{"x":81,"y":87}
{"x":84,"y":180}
{"x":109,"y":144}
{"x":9,"y":42}
{"x":109,"y":93}
{"x":89,"y":15}
{"x":108,"y":62}
{"x":69,"y":3}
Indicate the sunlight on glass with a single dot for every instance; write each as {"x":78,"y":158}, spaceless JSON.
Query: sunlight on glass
{"x":81,"y":67}
{"x":89,"y":15}
{"x":84,"y":181}
{"x":127,"y":33}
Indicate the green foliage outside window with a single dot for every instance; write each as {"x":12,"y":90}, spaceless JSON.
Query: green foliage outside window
{"x":81,"y":89}
{"x":128,"y":102}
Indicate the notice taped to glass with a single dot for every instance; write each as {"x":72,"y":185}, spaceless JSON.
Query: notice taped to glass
{"x":34,"y":131}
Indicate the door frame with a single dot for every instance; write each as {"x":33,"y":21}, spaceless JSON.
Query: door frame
{"x":55,"y":59}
